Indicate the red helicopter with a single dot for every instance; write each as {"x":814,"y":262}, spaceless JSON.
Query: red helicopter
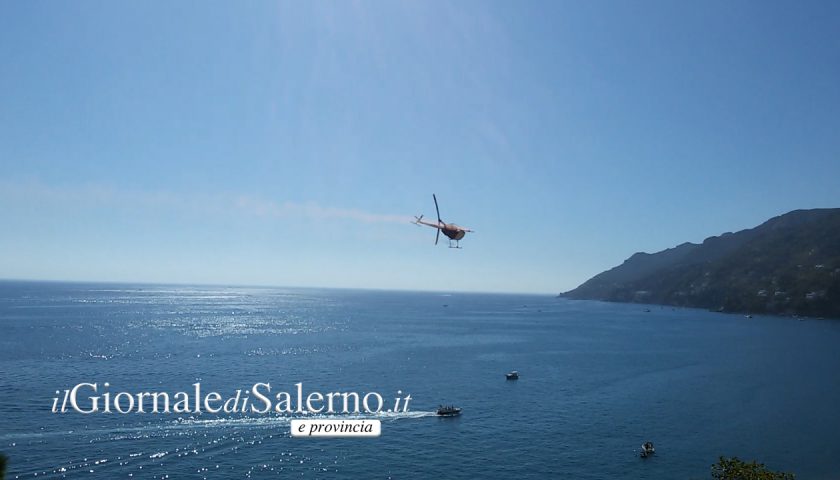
{"x":452,"y":231}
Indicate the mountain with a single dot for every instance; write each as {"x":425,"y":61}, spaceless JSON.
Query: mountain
{"x":790,"y":264}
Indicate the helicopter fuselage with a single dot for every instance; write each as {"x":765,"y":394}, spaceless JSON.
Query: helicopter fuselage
{"x":453,"y":231}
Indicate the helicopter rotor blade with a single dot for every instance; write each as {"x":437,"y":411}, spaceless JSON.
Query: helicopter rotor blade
{"x":437,"y":236}
{"x":436,"y":208}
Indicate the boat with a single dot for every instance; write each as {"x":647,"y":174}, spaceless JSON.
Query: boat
{"x":448,"y":411}
{"x":647,"y":450}
{"x":513,"y":375}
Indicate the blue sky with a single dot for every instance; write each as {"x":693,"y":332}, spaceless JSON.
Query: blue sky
{"x":290,"y":143}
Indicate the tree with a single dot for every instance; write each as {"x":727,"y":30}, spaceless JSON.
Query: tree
{"x":736,"y":469}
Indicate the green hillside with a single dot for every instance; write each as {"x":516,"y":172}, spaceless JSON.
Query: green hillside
{"x":787,"y":265}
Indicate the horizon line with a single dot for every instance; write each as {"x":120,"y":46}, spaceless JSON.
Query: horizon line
{"x":232,"y":285}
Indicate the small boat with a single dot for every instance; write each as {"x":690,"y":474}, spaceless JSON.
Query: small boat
{"x":513,"y":375}
{"x":647,"y":450}
{"x":448,"y":411}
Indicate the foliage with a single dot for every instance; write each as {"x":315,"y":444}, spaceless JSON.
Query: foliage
{"x":735,"y":469}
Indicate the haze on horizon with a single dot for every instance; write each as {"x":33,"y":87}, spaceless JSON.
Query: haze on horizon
{"x":290,"y":143}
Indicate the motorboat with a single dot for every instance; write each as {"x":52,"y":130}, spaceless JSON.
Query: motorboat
{"x":448,"y":411}
{"x":647,"y":450}
{"x":513,"y":375}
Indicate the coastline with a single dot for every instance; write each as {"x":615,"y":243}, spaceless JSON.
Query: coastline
{"x":751,"y":314}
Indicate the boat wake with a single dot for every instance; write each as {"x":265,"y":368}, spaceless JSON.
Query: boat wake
{"x":185,"y":423}
{"x":166,"y":444}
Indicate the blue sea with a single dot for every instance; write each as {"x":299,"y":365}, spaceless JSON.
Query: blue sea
{"x":597,"y":380}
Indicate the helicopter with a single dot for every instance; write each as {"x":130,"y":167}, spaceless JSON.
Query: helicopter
{"x":452,"y":231}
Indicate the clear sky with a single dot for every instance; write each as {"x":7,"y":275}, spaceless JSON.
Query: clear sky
{"x":290,"y":143}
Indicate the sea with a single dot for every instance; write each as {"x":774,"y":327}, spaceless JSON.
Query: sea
{"x":596,"y":381}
